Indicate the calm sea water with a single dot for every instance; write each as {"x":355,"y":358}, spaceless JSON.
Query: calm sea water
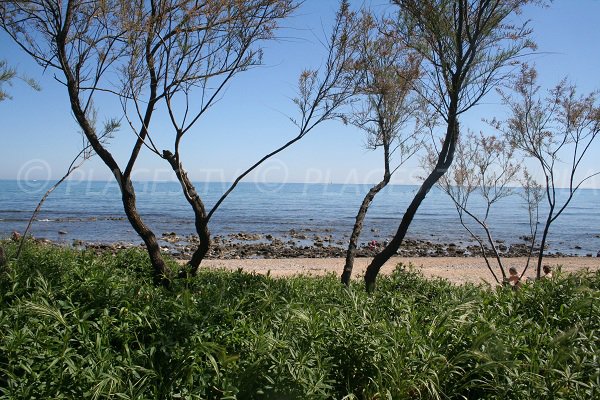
{"x":92,"y":211}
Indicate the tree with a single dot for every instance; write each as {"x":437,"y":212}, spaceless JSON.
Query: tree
{"x":388,"y":71}
{"x":466,"y":45}
{"x":91,"y":43}
{"x":484,"y":166}
{"x":556,"y":129}
{"x":83,"y":42}
{"x":533,"y":194}
{"x":181,"y":61}
{"x":321,"y":93}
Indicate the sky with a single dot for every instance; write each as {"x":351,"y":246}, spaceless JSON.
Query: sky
{"x":39,"y":137}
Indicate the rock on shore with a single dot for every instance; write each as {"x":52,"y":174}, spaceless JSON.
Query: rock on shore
{"x":308,"y":244}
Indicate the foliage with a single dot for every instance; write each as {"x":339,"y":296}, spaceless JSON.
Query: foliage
{"x":7,"y":75}
{"x":151,"y":55}
{"x":78,"y":325}
{"x":484,"y":167}
{"x":559,"y":128}
{"x":468,"y":47}
{"x":385,"y":104}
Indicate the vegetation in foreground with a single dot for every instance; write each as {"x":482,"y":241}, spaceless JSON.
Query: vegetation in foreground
{"x":77,"y":325}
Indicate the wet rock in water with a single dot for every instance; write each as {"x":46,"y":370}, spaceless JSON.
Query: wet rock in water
{"x":598,"y":254}
{"x":578,"y":247}
{"x":2,"y":257}
{"x":62,"y":232}
{"x":589,"y":255}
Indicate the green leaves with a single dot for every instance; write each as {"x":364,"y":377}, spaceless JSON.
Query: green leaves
{"x":79,"y":325}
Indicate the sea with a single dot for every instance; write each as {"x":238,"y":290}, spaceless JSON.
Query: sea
{"x":91,"y":211}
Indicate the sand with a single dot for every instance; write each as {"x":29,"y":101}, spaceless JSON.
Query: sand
{"x":455,"y":269}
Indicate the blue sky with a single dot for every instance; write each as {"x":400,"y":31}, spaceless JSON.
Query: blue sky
{"x":39,"y":136}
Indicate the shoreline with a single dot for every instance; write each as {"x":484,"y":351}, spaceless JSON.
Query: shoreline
{"x":281,"y":259}
{"x":300,"y":245}
{"x":310,"y":244}
{"x":454,"y":269}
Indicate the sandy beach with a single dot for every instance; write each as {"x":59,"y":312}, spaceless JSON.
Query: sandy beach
{"x":455,"y":269}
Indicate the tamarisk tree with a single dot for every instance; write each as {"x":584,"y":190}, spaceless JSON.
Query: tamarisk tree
{"x":182,"y":56}
{"x":386,"y":71}
{"x":148,"y":53}
{"x":84,"y":42}
{"x":466,"y":45}
{"x":556,"y":131}
{"x":186,"y":58}
{"x":484,"y":167}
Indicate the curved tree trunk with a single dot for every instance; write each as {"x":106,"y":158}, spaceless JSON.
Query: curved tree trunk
{"x":538,"y":273}
{"x":160,"y":270}
{"x":444,"y":161}
{"x":200,"y":215}
{"x":201,"y":250}
{"x":393,"y":246}
{"x":358,"y":225}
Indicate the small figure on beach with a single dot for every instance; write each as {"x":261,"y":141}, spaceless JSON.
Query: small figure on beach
{"x":547,"y":272}
{"x":15,"y":236}
{"x":514,"y":279}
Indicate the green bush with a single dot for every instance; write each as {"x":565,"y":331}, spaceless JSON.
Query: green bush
{"x":78,"y":325}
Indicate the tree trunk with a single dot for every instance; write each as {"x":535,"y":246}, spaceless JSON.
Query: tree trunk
{"x":358,"y":225}
{"x":3,"y":260}
{"x":161,"y":272}
{"x":201,"y":219}
{"x":201,"y":250}
{"x":538,"y":273}
{"x":444,"y":161}
{"x":392,"y":247}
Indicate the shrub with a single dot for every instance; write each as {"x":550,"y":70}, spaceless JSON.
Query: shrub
{"x":78,"y":325}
